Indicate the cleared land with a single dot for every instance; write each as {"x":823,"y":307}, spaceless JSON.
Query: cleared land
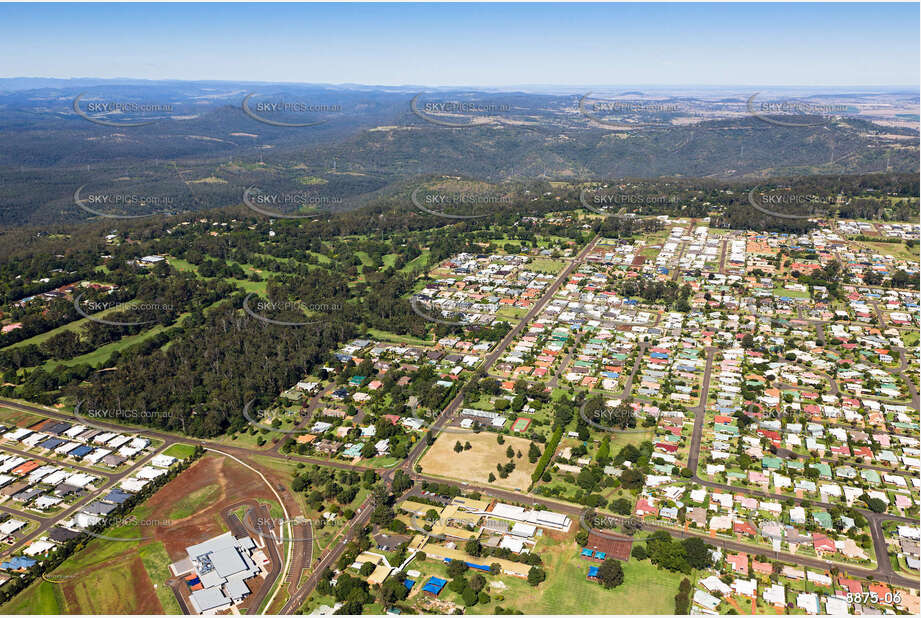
{"x":476,"y":464}
{"x":9,"y":416}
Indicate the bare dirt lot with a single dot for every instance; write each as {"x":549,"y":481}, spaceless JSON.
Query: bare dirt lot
{"x":476,"y":464}
{"x":234,"y":480}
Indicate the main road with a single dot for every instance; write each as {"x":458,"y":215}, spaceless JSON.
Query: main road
{"x":363,"y":515}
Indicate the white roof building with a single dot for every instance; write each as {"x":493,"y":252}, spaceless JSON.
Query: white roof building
{"x":10,"y":526}
{"x":715,"y":584}
{"x":775,"y":594}
{"x":706,"y":600}
{"x":222,"y":564}
{"x":746,"y":587}
{"x":514,"y":544}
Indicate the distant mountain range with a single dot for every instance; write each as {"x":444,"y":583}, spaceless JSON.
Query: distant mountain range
{"x":200,"y":144}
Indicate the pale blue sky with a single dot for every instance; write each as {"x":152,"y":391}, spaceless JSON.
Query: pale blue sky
{"x":467,"y":44}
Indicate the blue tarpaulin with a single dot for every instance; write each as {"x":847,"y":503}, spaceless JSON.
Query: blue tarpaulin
{"x":434,"y":585}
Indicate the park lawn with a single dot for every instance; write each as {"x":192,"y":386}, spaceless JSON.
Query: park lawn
{"x":911,"y":339}
{"x":314,"y":600}
{"x":558,"y":393}
{"x":384,"y":461}
{"x":620,"y":440}
{"x":250,"y":435}
{"x":40,"y":597}
{"x":180,"y":451}
{"x":513,"y":313}
{"x":546,"y":265}
{"x":251,"y":440}
{"x":191,"y":503}
{"x":389,"y":260}
{"x":646,"y":589}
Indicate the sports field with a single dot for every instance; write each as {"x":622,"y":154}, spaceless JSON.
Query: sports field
{"x":521,"y":424}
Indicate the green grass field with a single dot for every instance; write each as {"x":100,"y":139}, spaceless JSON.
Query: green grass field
{"x":102,"y":590}
{"x":101,"y":354}
{"x":106,"y":590}
{"x":780,"y":291}
{"x":383,"y":335}
{"x":620,"y":440}
{"x":417,"y":264}
{"x":512,"y":313}
{"x":193,"y":502}
{"x":40,"y":598}
{"x":366,"y":260}
{"x":156,"y":562}
{"x":180,"y":451}
{"x":248,"y":286}
{"x":545,"y":265}
{"x":250,"y":440}
{"x":182,"y":265}
{"x":70,"y":326}
{"x":897,"y":250}
{"x":646,"y":589}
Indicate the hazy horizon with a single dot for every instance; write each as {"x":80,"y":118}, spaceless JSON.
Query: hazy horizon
{"x":850,"y":45}
{"x":547,"y":88}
